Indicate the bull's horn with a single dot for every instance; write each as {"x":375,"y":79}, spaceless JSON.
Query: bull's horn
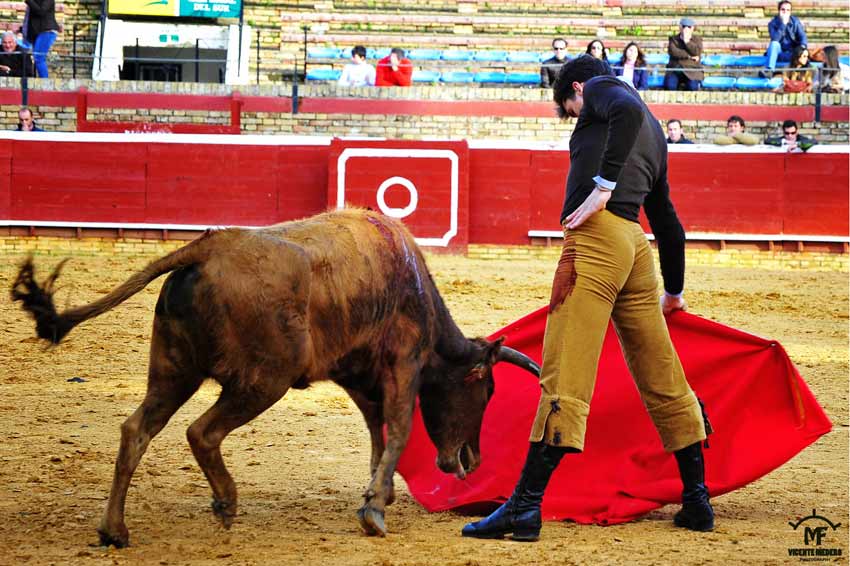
{"x":518,"y":359}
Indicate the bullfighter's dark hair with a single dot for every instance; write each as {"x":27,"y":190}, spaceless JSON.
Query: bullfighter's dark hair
{"x":736,"y":118}
{"x":579,"y":70}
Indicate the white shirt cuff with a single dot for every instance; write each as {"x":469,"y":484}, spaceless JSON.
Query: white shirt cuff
{"x":676,"y":296}
{"x":605,"y":183}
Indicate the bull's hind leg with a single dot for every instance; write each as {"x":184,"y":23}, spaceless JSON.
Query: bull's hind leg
{"x":240,"y":401}
{"x":171,"y":382}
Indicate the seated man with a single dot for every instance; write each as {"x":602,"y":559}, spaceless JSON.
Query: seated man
{"x":394,"y":69}
{"x":26,"y":121}
{"x":358,"y":72}
{"x":786,"y":34}
{"x":685,"y":50}
{"x":675,"y":133}
{"x":791,"y":139}
{"x":550,"y":67}
{"x":14,"y":61}
{"x":735,"y":133}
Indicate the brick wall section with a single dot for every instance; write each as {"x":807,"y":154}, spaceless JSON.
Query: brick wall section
{"x":408,"y":126}
{"x":15,"y":248}
{"x":814,"y":261}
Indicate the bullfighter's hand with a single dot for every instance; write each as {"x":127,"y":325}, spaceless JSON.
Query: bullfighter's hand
{"x":670,"y":303}
{"x":594,"y":202}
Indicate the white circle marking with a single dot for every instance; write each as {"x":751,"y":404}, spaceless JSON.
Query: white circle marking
{"x":398,"y":212}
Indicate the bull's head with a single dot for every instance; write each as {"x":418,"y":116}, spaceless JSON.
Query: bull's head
{"x":454,"y":396}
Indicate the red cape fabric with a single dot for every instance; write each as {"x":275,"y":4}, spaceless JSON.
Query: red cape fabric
{"x":761,"y":410}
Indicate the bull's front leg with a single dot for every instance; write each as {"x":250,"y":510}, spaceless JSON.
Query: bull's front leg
{"x":373,"y":414}
{"x":398,"y":412}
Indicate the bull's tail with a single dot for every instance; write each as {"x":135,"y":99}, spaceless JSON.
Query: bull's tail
{"x":50,"y":325}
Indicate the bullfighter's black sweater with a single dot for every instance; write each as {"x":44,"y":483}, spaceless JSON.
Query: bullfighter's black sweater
{"x":618,"y":139}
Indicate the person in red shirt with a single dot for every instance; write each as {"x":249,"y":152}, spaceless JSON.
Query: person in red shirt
{"x":394,"y":69}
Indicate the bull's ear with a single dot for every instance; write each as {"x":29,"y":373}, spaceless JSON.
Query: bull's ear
{"x":492,"y":355}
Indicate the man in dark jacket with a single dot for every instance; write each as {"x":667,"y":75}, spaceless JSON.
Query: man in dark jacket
{"x":550,"y":67}
{"x":791,"y":139}
{"x":618,"y":162}
{"x":675,"y":133}
{"x":786,"y":34}
{"x":685,"y":50}
{"x":40,"y":31}
{"x":26,"y":121}
{"x":14,"y":61}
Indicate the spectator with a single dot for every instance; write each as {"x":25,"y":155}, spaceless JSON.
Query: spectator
{"x":736,"y":133}
{"x":40,"y":31}
{"x":832,"y":70}
{"x":358,"y":72}
{"x":675,"y":133}
{"x":13,"y":59}
{"x":597,"y":50}
{"x":26,"y":121}
{"x":786,"y":34}
{"x":800,"y":77}
{"x":791,"y":139}
{"x":632,"y":68}
{"x":685,"y":50}
{"x":550,"y":67}
{"x":394,"y":69}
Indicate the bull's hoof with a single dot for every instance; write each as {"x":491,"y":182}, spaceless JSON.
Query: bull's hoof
{"x":372,"y":521}
{"x":121,"y":539}
{"x":225,"y":511}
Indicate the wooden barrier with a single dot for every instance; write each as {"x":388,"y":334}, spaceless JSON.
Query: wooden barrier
{"x":449,"y":193}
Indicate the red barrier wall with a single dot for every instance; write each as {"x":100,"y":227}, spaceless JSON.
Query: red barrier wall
{"x":502,"y":192}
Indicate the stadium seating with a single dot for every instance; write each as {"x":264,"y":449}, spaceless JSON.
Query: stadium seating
{"x":425,"y":76}
{"x":720,"y":83}
{"x":456,"y":55}
{"x":425,"y":54}
{"x":525,"y":57}
{"x":497,"y":77}
{"x":757,"y":83}
{"x":522,"y":78}
{"x":490,"y":56}
{"x":323,"y":74}
{"x":459,"y":77}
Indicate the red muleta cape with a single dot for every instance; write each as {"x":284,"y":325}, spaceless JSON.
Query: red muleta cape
{"x":761,"y":410}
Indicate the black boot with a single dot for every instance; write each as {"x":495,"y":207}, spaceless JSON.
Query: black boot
{"x":696,"y":513}
{"x":520,"y":514}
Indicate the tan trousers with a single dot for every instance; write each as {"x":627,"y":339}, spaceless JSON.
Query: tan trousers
{"x":606,"y":272}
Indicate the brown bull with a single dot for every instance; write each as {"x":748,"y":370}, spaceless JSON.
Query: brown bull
{"x":344,"y":296}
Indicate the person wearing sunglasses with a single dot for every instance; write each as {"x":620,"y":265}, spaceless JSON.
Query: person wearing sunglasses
{"x":791,"y":139}
{"x":685,"y":50}
{"x":550,"y":67}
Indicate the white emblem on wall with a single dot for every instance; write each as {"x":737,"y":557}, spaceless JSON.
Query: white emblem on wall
{"x":449,"y":155}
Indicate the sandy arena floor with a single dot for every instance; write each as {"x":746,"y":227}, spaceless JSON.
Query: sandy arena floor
{"x":301,"y":467}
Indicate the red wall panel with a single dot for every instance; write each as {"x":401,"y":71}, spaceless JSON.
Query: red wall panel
{"x":85,"y":182}
{"x":499,"y":201}
{"x":302,"y":180}
{"x":815,"y":188}
{"x":212,"y":184}
{"x":426,"y":184}
{"x":5,"y":178}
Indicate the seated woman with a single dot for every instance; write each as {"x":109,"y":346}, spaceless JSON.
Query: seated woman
{"x":597,"y":50}
{"x":835,"y":73}
{"x":632,"y":68}
{"x":800,"y":77}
